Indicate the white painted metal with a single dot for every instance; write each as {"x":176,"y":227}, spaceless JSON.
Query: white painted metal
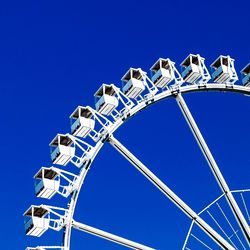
{"x":169,"y":193}
{"x":73,"y":201}
{"x":62,"y":149}
{"x":109,"y":236}
{"x":194,"y":70}
{"x":214,"y":167}
{"x":108,"y":98}
{"x":36,"y":226}
{"x":37,"y":221}
{"x":82,"y":126}
{"x":106,"y":104}
{"x":85,"y":121}
{"x":188,"y":235}
{"x":133,"y":84}
{"x":150,"y":86}
{"x":135,"y":81}
{"x":161,"y":75}
{"x":164,"y":72}
{"x":84,"y":151}
{"x":112,"y":127}
{"x":71,"y":182}
{"x":246,"y":76}
{"x":106,"y":101}
{"x":47,"y":183}
{"x":82,"y":122}
{"x":103,"y":122}
{"x":47,"y":188}
{"x":167,"y":93}
{"x":223,"y":70}
{"x":206,"y":209}
{"x":191,"y":72}
{"x":133,"y":88}
{"x":50,"y":181}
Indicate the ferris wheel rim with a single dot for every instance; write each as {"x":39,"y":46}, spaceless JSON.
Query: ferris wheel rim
{"x":165,"y":94}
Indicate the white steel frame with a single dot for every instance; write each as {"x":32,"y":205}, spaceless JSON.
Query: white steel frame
{"x":214,"y":167}
{"x":70,"y":179}
{"x":206,"y":209}
{"x":107,"y":136}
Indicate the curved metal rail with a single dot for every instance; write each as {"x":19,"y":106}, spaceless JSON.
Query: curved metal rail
{"x":139,"y":107}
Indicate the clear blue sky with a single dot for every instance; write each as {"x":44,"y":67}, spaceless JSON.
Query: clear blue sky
{"x":55,"y":54}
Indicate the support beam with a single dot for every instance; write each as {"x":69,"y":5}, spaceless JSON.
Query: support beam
{"x":170,"y":194}
{"x":109,"y":236}
{"x":214,"y":168}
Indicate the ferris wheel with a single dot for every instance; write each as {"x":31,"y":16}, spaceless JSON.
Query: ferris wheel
{"x":222,"y":224}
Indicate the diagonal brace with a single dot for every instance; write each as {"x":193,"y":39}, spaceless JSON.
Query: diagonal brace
{"x":170,"y":194}
{"x":214,"y":168}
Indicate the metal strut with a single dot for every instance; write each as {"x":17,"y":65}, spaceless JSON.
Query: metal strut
{"x":214,"y":167}
{"x":170,"y":194}
{"x":109,"y":236}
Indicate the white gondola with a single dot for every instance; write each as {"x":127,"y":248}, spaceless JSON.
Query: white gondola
{"x":246,"y":76}
{"x":36,"y":221}
{"x":192,"y":68}
{"x":161,"y":73}
{"x":82,"y":122}
{"x":62,"y":149}
{"x":47,"y":183}
{"x":133,"y":84}
{"x":222,"y":69}
{"x":106,"y":100}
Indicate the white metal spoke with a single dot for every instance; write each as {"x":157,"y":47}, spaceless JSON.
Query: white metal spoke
{"x":234,"y":231}
{"x":170,"y":194}
{"x":138,"y":92}
{"x":218,"y":222}
{"x":187,"y":237}
{"x":220,"y":227}
{"x":108,"y":236}
{"x":214,"y":167}
{"x":199,"y":240}
{"x":245,"y":206}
